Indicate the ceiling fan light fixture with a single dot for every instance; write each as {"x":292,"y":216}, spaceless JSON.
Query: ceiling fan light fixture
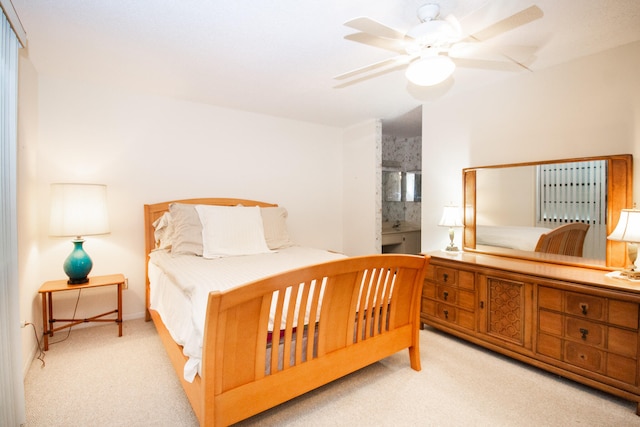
{"x":431,"y":70}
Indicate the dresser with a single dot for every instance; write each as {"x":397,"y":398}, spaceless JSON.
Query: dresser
{"x":575,"y":322}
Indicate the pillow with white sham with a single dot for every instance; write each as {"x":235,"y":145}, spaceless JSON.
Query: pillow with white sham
{"x":187,"y":229}
{"x":274,"y":221}
{"x":163,"y":231}
{"x":228,"y":231}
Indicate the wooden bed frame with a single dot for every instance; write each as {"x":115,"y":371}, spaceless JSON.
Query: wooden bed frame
{"x":368,"y":310}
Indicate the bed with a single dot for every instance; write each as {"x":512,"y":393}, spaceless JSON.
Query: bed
{"x":510,"y":237}
{"x":270,"y":339}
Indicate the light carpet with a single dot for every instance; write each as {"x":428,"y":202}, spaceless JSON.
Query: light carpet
{"x":95,"y":378}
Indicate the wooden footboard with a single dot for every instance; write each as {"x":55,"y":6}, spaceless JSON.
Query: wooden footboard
{"x":365,"y":308}
{"x":351,"y":313}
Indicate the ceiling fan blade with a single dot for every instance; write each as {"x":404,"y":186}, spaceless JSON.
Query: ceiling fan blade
{"x":487,"y":64}
{"x":492,"y":52}
{"x":397,"y":60}
{"x":373,"y":27}
{"x":370,"y":76}
{"x":516,"y":20}
{"x":453,"y":21}
{"x":394,"y":45}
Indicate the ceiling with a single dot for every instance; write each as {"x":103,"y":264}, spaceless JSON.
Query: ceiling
{"x":279,"y":57}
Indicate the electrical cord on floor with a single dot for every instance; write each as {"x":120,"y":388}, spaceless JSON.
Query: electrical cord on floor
{"x":41,"y":352}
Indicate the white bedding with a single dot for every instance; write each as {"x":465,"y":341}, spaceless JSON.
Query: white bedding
{"x":180,"y":284}
{"x":512,"y":237}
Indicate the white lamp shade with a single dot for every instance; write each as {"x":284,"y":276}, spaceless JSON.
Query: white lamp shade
{"x":78,"y":210}
{"x":451,"y":217}
{"x":430,"y":70}
{"x":628,"y":228}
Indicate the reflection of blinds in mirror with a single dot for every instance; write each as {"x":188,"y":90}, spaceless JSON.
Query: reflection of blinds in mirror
{"x":572,"y":192}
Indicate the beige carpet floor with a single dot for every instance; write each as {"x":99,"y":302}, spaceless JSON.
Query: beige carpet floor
{"x":94,"y":378}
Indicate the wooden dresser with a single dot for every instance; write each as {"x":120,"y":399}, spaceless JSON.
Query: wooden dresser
{"x":572,"y":321}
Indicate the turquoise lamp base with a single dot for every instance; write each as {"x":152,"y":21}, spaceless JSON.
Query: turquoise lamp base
{"x":78,"y":264}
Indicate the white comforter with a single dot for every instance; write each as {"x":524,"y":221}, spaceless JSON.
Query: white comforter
{"x":180,"y":285}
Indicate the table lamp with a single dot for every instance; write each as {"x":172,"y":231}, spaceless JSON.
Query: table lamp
{"x":628,"y":230}
{"x":451,"y":218}
{"x":78,"y":210}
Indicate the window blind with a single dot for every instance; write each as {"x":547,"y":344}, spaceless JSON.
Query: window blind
{"x":12,"y":410}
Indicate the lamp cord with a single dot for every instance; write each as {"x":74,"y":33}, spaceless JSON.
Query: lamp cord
{"x":73,"y":318}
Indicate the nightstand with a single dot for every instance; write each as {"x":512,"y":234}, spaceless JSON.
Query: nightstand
{"x":49,"y":288}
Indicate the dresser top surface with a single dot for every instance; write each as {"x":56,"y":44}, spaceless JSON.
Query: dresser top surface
{"x":574,"y":274}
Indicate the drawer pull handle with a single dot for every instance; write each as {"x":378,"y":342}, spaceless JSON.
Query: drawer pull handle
{"x":584,"y":308}
{"x":584,"y":332}
{"x":445,"y":276}
{"x":445,"y":294}
{"x":481,"y":304}
{"x":446,"y":314}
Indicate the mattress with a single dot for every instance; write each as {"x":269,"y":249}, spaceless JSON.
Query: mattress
{"x":511,"y":237}
{"x":180,"y":284}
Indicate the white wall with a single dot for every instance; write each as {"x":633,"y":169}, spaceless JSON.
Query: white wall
{"x":587,"y":107}
{"x":362,"y":186}
{"x":28,"y":230}
{"x":148,"y":149}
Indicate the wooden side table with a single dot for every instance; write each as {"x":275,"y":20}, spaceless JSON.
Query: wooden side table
{"x":48,"y":288}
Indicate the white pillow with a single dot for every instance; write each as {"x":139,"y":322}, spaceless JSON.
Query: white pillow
{"x":187,"y":229}
{"x":163,"y":233}
{"x":230,"y":231}
{"x":274,"y":221}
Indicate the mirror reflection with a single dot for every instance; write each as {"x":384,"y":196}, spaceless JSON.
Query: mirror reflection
{"x":402,"y":186}
{"x":518,"y":195}
{"x":517,"y":206}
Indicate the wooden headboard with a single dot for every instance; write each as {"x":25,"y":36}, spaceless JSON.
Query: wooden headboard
{"x":155,"y":211}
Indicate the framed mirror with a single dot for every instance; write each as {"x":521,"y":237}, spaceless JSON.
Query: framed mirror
{"x":507,"y":208}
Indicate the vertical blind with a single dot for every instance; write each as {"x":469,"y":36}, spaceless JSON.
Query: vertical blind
{"x":575,"y":192}
{"x":572,"y":192}
{"x":11,"y":381}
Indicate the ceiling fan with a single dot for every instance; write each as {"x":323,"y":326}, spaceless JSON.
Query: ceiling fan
{"x":431,"y":49}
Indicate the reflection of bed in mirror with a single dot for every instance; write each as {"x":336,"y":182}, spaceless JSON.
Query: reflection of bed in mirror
{"x":510,"y":236}
{"x":567,"y":239}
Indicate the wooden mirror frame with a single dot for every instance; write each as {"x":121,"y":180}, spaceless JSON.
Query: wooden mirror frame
{"x":619,"y":196}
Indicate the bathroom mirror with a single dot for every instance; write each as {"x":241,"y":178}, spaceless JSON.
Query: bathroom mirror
{"x":402,"y":186}
{"x":494,"y":195}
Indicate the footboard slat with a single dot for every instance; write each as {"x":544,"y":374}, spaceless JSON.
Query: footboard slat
{"x":336,"y":317}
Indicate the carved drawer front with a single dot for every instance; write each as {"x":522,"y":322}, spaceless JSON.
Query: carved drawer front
{"x":584,"y":331}
{"x":445,"y":275}
{"x":584,"y":356}
{"x":447,"y":294}
{"x":586,"y":306}
{"x":452,"y":314}
{"x":447,"y":313}
{"x":589,"y":332}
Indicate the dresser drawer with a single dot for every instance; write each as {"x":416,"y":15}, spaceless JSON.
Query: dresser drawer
{"x":588,"y":333}
{"x":622,"y":368}
{"x":429,"y":289}
{"x":623,"y":342}
{"x":428,"y":307}
{"x":448,"y":276}
{"x":584,"y":356}
{"x":623,"y":313}
{"x":451,"y":314}
{"x":587,"y":306}
{"x":447,"y":294}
